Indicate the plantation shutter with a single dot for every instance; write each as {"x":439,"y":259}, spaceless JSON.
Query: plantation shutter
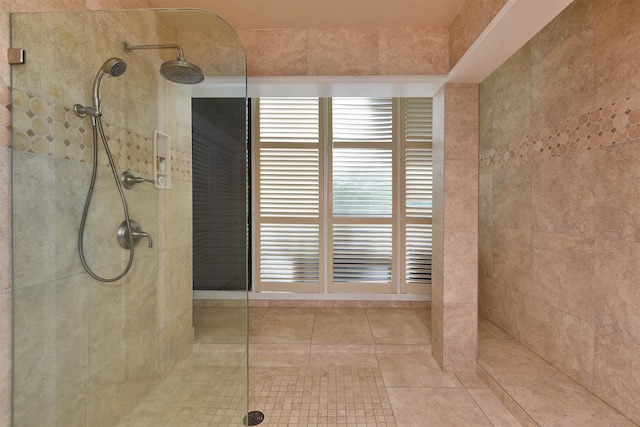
{"x":288,"y":157}
{"x":342,"y":195}
{"x":362,"y":137}
{"x":417,"y":164}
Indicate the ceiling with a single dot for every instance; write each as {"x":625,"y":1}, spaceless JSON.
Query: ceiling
{"x":262,"y":14}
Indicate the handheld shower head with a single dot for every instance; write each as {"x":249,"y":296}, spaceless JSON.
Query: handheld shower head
{"x":114,"y":67}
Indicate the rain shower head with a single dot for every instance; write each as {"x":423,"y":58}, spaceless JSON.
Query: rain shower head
{"x":179,"y":70}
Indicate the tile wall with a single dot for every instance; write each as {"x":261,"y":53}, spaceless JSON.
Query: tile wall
{"x":86,"y":351}
{"x":468,"y":24}
{"x":559,"y":198}
{"x":455,"y":227}
{"x":346,"y":51}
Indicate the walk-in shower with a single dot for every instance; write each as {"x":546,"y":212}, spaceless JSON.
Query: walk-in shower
{"x":88,"y":348}
{"x":129,"y":231}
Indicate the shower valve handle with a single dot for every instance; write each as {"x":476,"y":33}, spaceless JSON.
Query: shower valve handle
{"x":128,"y":179}
{"x":141,"y":234}
{"x":136,"y":234}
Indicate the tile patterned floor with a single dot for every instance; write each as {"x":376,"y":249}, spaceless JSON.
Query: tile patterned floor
{"x":207,"y":389}
{"x":331,"y":396}
{"x":357,"y":366}
{"x":362,"y":365}
{"x":315,"y":365}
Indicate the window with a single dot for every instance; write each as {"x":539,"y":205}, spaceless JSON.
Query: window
{"x":342,"y":194}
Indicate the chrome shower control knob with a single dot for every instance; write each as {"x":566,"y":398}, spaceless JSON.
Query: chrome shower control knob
{"x":136,"y":234}
{"x":128,"y":179}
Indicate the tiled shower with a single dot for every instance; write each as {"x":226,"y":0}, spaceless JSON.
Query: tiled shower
{"x":558,"y":202}
{"x":85,"y":352}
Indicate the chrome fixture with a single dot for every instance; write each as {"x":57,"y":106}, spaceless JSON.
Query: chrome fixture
{"x":113,"y":67}
{"x":179,"y":70}
{"x":128,"y":180}
{"x":125,"y":237}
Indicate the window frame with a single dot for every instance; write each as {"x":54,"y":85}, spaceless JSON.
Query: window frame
{"x":327,"y":222}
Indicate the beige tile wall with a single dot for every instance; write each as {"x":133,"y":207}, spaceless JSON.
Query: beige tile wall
{"x":146,"y":324}
{"x":470,"y":21}
{"x":346,"y":51}
{"x":559,"y":198}
{"x":455,"y":227}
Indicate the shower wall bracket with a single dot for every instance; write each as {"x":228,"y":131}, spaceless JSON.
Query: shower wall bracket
{"x":15,"y":55}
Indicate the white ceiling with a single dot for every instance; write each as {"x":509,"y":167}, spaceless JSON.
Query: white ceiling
{"x":260,"y":14}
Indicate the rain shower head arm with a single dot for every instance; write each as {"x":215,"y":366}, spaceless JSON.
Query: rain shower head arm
{"x":128,"y":48}
{"x":177,"y":71}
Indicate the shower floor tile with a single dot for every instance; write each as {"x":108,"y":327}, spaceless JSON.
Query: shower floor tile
{"x":195,"y":394}
{"x":312,"y":374}
{"x":320,"y":396}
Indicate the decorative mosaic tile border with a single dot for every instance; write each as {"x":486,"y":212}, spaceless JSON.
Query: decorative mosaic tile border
{"x":44,"y":128}
{"x":5,"y":116}
{"x":611,"y":124}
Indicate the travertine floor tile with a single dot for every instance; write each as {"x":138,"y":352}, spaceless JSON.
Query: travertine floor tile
{"x":317,"y":367}
{"x":555,"y":400}
{"x":255,"y":316}
{"x":424,"y":314}
{"x":471,"y":380}
{"x":196,"y":393}
{"x":498,"y":355}
{"x":487,"y":329}
{"x":414,"y":370}
{"x":284,"y":325}
{"x":451,"y":407}
{"x":355,"y":360}
{"x":279,"y":355}
{"x":493,"y":408}
{"x":220,"y":324}
{"x":320,"y":396}
{"x":341,"y":326}
{"x":397,"y":326}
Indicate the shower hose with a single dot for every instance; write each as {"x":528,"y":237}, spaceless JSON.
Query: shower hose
{"x":98,"y":132}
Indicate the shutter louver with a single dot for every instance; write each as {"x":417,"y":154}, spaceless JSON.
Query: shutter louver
{"x":418,"y":120}
{"x":418,"y":254}
{"x":289,"y":253}
{"x":418,"y":182}
{"x":289,"y":120}
{"x":289,"y":182}
{"x":362,"y":253}
{"x":362,"y":182}
{"x":362,"y":119}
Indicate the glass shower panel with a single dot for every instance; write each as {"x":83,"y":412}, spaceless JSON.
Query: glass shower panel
{"x":104,"y":335}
